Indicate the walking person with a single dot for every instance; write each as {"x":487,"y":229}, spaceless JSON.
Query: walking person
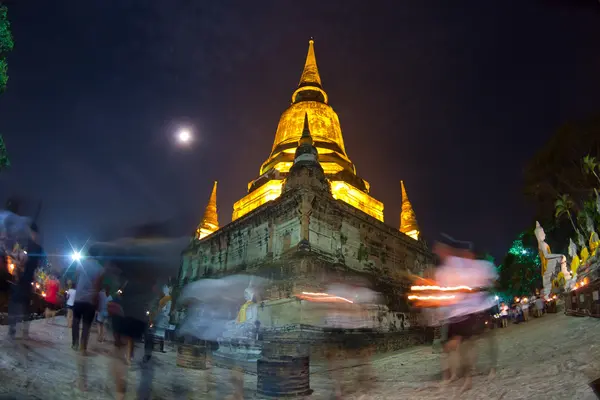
{"x":137,"y":263}
{"x":21,"y":290}
{"x":52,"y":299}
{"x":89,"y":278}
{"x":539,"y":305}
{"x":504,"y":314}
{"x":70,"y":301}
{"x":466,"y":317}
{"x":102,"y":316}
{"x":525,"y":308}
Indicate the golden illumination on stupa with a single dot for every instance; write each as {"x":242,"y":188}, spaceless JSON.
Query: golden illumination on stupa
{"x":408,"y":218}
{"x":311,"y":100}
{"x":210,"y":219}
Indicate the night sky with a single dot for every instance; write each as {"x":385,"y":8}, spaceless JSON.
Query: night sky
{"x":452,"y":97}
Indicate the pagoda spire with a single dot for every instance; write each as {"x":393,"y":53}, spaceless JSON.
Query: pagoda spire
{"x":306,"y":137}
{"x":306,"y":152}
{"x":310,"y":74}
{"x":210,"y":219}
{"x":408,"y":219}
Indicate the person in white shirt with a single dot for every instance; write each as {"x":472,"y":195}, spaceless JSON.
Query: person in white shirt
{"x":70,"y":301}
{"x":539,"y":306}
{"x":464,"y":318}
{"x":504,"y":314}
{"x":525,"y":309}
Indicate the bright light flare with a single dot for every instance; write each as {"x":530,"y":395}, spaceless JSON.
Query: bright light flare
{"x":76,"y":256}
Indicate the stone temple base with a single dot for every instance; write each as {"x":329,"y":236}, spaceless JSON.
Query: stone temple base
{"x":240,"y":354}
{"x":244,"y":354}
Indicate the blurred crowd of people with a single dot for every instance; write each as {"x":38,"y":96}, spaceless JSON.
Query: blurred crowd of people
{"x":121,"y":286}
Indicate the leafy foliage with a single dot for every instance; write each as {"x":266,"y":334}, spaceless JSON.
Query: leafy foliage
{"x":557,"y":168}
{"x":6,"y":45}
{"x":563,"y":206}
{"x":520,"y":272}
{"x":590,"y":166}
{"x":4,"y":161}
{"x":561,"y":179}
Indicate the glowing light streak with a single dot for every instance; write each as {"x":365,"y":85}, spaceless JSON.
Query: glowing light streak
{"x":440,"y":288}
{"x":322,"y":297}
{"x":427,"y":298}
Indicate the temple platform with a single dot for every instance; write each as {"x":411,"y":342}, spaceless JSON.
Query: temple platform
{"x":320,"y":342}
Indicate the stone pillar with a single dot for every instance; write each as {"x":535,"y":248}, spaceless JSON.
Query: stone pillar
{"x":283,"y":369}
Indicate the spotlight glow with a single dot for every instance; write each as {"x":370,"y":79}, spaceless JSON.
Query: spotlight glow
{"x":76,"y":256}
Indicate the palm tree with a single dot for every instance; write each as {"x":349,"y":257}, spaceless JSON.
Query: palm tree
{"x":590,"y":164}
{"x":563,"y":206}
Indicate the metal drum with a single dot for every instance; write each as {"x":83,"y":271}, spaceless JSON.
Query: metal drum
{"x":192,"y":356}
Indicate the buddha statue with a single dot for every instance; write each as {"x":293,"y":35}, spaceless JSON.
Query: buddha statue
{"x":575,"y":261}
{"x":594,"y":242}
{"x":244,"y":325}
{"x":584,"y":255}
{"x":549,"y":261}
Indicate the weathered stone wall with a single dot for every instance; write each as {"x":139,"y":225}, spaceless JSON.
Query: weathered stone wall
{"x":343,"y":242}
{"x":289,"y":311}
{"x":326,"y":343}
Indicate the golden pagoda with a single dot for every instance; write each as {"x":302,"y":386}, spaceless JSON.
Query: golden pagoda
{"x":309,"y":101}
{"x":210,"y":219}
{"x":408,"y":218}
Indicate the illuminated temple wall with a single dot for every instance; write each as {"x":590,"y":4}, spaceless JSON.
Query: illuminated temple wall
{"x":341,"y":190}
{"x":338,"y":234}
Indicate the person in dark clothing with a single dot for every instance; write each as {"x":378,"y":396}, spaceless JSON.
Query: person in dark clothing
{"x":137,"y":264}
{"x":21,"y":290}
{"x":89,"y":279}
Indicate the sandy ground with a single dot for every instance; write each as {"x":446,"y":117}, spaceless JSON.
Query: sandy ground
{"x":553,"y":357}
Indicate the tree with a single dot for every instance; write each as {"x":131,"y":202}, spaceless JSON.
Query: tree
{"x":564,"y":205}
{"x":556,"y":169}
{"x":565,"y":165}
{"x":520,"y":271}
{"x":590,"y":165}
{"x":6,"y":45}
{"x":4,"y":160}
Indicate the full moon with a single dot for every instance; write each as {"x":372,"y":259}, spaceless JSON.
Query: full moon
{"x":184,"y":136}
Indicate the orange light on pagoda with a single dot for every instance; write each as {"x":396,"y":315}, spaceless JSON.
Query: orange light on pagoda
{"x":11,"y":268}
